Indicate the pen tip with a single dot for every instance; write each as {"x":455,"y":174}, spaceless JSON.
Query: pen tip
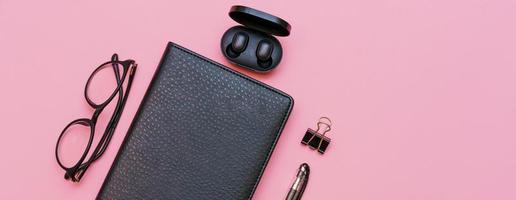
{"x":304,"y":167}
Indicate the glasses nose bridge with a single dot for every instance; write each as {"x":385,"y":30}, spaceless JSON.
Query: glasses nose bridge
{"x":96,"y":115}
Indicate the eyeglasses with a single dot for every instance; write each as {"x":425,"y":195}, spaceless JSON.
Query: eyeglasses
{"x":75,"y":141}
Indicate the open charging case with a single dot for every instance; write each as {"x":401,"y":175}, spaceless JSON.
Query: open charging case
{"x":258,"y":50}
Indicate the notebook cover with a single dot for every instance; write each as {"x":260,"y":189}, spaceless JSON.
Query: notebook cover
{"x":202,"y":131}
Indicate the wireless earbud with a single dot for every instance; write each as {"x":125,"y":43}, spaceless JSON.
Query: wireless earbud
{"x":264,"y":52}
{"x":239,"y":42}
{"x":252,"y":45}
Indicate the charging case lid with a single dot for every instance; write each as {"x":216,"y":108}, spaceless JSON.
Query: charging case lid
{"x":259,"y":20}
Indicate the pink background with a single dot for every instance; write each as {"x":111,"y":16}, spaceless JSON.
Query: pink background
{"x":422,"y":93}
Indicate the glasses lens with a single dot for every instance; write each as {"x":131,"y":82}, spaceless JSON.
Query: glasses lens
{"x":104,"y":82}
{"x":73,"y":144}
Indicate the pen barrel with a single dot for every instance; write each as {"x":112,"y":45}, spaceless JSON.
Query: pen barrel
{"x":299,"y":185}
{"x":293,"y":195}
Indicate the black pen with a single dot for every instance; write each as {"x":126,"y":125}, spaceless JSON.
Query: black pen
{"x":297,"y":189}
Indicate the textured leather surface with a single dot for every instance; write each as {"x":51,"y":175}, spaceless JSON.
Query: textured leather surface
{"x":202,"y":131}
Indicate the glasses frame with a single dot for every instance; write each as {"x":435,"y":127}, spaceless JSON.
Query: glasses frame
{"x":75,"y":172}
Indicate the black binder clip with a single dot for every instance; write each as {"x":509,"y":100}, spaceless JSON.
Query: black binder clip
{"x":317,"y":140}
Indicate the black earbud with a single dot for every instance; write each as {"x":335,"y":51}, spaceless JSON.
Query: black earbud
{"x":264,"y":52}
{"x":238,"y":44}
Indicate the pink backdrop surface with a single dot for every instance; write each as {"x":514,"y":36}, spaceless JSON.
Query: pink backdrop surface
{"x":422,"y":93}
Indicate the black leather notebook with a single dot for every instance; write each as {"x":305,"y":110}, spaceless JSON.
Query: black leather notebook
{"x":202,"y":131}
